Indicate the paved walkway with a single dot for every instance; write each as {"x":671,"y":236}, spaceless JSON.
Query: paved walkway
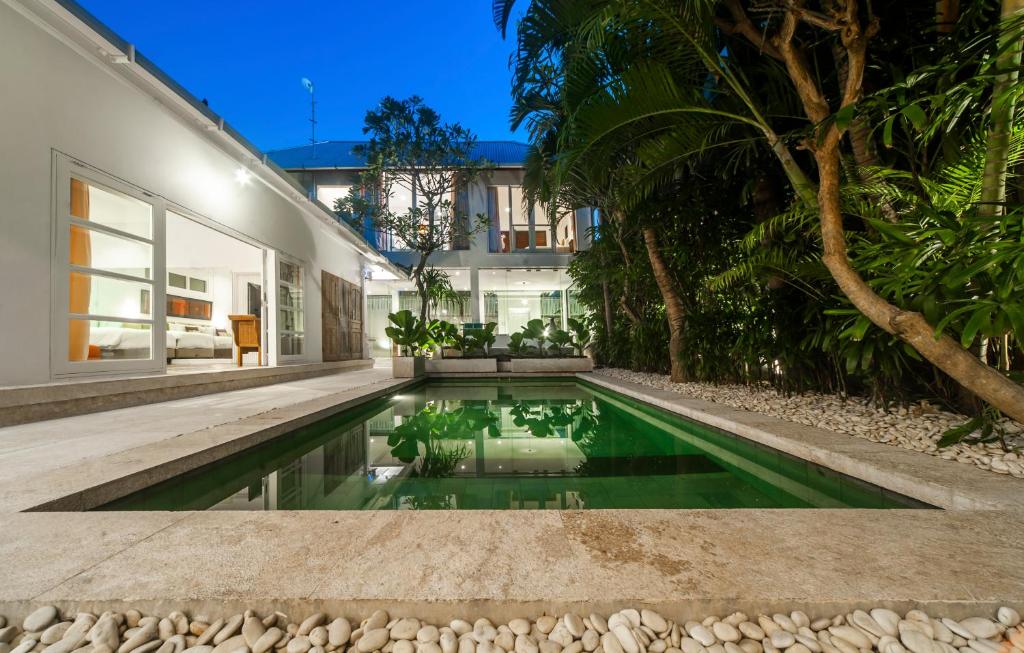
{"x":41,"y":457}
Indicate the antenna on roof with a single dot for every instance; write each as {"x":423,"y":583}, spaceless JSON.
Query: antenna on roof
{"x":312,"y":113}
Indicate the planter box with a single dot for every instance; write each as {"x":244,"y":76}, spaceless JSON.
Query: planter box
{"x":461,"y":365}
{"x":407,"y":367}
{"x":552,"y":365}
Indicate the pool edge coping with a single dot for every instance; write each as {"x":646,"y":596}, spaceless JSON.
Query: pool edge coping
{"x":910,"y":473}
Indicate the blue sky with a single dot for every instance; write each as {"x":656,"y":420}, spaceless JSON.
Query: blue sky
{"x":247,"y":59}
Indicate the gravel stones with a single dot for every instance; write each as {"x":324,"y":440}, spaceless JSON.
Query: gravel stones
{"x":877,"y":630}
{"x":916,"y":429}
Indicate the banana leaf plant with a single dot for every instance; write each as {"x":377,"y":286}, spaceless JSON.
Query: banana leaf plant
{"x":408,"y":332}
{"x":480,"y":339}
{"x":560,"y":341}
{"x":537,"y":331}
{"x":580,"y":331}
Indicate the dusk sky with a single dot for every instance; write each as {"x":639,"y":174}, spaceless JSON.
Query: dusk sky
{"x":248,"y":59}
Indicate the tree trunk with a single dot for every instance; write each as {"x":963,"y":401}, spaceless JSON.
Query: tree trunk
{"x":946,"y":14}
{"x":674,"y":309}
{"x":607,"y":301}
{"x":997,"y":146}
{"x":911,"y":327}
{"x":417,"y":277}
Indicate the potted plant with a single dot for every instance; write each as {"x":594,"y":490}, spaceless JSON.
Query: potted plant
{"x":410,"y":335}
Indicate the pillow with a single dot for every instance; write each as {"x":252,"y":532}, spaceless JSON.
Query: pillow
{"x":208,"y":330}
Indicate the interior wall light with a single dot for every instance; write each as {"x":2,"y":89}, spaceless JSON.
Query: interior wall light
{"x":243,"y":176}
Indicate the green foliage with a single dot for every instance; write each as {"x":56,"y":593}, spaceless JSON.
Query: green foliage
{"x":410,"y":149}
{"x":579,"y":334}
{"x":409,"y":332}
{"x":480,"y":339}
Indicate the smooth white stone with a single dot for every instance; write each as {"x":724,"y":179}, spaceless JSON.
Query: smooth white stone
{"x":546,"y":623}
{"x":751,"y":646}
{"x":618,"y":619}
{"x":956,"y":628}
{"x":268,"y":639}
{"x":690,"y":645}
{"x":852,"y":635}
{"x":820,"y":624}
{"x":940,"y":632}
{"x":752,"y":631}
{"x":632,"y":615}
{"x":887,"y":621}
{"x":520,"y":626}
{"x":599,"y":623}
{"x":626,"y":639}
{"x":657,"y":646}
{"x":575,"y":647}
{"x":732,"y":647}
{"x":39,"y":619}
{"x":372,"y":640}
{"x":800,"y":619}
{"x":299,"y":644}
{"x":591,"y":640}
{"x":549,"y":646}
{"x":864,"y":621}
{"x":782,"y":639}
{"x":810,"y":643}
{"x":916,"y":641}
{"x":339,"y":632}
{"x":1008,"y":616}
{"x":725,"y":633}
{"x":653,"y":620}
{"x":403,"y":646}
{"x":982,"y":628}
{"x":784,"y":622}
{"x":467,"y":645}
{"x":702,"y":635}
{"x":526,"y":644}
{"x":610,"y":643}
{"x":228,"y":631}
{"x":449,"y":641}
{"x":428,"y":634}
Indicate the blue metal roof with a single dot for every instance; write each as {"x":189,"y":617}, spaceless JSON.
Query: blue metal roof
{"x":338,"y":154}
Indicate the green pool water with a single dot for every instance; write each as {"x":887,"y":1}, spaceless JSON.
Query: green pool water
{"x":508,"y":445}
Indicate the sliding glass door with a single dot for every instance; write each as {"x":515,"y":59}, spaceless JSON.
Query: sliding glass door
{"x":108,"y":312}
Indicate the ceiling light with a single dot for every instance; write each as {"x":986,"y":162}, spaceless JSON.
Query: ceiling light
{"x":243,"y":176}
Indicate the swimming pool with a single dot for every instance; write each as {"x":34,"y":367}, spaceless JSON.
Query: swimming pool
{"x":509,"y":444}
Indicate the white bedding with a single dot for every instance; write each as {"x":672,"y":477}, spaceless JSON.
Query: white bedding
{"x":118,"y":338}
{"x":115,"y":338}
{"x":197,"y":340}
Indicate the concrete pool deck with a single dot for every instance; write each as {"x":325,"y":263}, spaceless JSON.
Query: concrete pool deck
{"x":683,"y":562}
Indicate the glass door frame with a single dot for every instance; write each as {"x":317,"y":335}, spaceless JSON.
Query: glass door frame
{"x":66,"y":169}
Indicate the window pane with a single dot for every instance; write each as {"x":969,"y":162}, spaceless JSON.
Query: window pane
{"x":329,"y":195}
{"x":198,"y":285}
{"x":111,"y":209}
{"x":95,"y":340}
{"x":291,"y":273}
{"x":176,"y":280}
{"x":102,"y":251}
{"x":499,"y":232}
{"x":291,"y":344}
{"x":290,"y":320}
{"x":565,"y":232}
{"x":98,"y":295}
{"x":519,"y":218}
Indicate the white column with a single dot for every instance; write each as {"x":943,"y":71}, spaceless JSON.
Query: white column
{"x":476,"y":300}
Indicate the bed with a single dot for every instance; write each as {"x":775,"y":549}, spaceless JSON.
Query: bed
{"x":122,"y":343}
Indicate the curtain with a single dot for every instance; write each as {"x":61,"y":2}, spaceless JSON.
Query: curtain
{"x":80,"y":285}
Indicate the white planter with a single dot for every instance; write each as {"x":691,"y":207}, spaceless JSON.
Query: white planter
{"x":407,"y":367}
{"x":552,"y":365}
{"x":461,"y":365}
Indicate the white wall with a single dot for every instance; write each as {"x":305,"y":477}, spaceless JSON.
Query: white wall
{"x":63,"y":97}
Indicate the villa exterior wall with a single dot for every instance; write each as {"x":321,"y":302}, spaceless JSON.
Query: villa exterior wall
{"x":59,"y":97}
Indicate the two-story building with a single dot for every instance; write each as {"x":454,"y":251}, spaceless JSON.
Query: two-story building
{"x":512,"y":272}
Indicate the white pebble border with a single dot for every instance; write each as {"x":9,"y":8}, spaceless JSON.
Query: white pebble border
{"x":917,"y":428}
{"x":627,"y":631}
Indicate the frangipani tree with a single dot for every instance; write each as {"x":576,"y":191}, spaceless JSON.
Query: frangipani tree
{"x":417,"y":166}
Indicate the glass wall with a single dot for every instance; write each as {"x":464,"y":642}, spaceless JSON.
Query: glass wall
{"x":290,"y":308}
{"x":514,"y":297}
{"x":109,"y":239}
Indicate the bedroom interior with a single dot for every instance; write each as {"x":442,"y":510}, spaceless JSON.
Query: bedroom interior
{"x":210,"y":276}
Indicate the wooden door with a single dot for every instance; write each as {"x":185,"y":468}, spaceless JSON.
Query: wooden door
{"x":342,"y":313}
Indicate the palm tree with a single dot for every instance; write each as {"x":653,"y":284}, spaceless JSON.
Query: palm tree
{"x":665,"y":82}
